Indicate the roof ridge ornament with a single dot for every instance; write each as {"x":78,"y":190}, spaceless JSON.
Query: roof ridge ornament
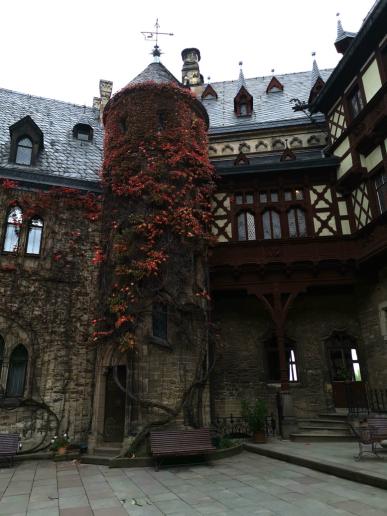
{"x":154,"y":36}
{"x":241,"y":78}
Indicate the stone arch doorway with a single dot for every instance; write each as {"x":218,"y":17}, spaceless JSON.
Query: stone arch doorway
{"x":113,"y":410}
{"x":346,"y":371}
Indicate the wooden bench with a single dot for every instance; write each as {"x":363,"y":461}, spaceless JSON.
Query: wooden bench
{"x":370,"y":436}
{"x":179,"y":443}
{"x":9,"y":445}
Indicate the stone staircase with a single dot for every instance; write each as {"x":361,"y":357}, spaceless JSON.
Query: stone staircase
{"x":328,"y":427}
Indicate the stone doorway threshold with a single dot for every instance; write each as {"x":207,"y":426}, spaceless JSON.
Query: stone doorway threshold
{"x":331,"y":458}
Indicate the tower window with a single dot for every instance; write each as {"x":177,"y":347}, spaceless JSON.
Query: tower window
{"x":160,"y":321}
{"x":17,"y":372}
{"x":24,"y":152}
{"x":12,"y":230}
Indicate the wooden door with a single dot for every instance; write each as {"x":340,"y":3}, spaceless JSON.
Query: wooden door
{"x":114,"y":422}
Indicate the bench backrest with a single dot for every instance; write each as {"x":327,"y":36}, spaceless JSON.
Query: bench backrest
{"x":180,"y":440}
{"x":378,"y":426}
{"x":9,"y":444}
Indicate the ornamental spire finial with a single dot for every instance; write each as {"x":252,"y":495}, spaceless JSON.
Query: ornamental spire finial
{"x":154,"y":36}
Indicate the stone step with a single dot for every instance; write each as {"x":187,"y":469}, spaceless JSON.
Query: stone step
{"x":323,"y":428}
{"x":95,"y":459}
{"x":337,"y":416}
{"x":321,"y":436}
{"x":107,"y":451}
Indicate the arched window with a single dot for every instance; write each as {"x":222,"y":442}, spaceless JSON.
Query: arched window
{"x":246,"y":226}
{"x":297,"y":223}
{"x":271,"y":225}
{"x":1,"y":353}
{"x":17,"y":372}
{"x":24,"y":152}
{"x":12,"y":230}
{"x":34,"y":236}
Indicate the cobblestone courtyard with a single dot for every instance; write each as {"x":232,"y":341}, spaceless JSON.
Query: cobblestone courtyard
{"x":242,"y":485}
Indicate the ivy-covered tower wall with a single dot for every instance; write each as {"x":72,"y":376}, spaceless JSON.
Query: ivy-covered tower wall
{"x":157,"y":183}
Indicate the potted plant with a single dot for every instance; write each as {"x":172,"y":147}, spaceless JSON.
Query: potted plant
{"x":60,"y":444}
{"x":255,"y":414}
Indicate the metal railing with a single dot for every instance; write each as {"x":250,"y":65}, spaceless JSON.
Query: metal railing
{"x":370,"y":401}
{"x":237,"y":426}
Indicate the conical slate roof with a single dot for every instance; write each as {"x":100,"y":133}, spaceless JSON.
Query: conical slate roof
{"x":155,"y":72}
{"x":342,"y":34}
{"x":315,"y":73}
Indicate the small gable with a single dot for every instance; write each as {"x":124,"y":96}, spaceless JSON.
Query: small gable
{"x":288,"y":155}
{"x":241,"y":159}
{"x":274,"y":85}
{"x":209,"y":93}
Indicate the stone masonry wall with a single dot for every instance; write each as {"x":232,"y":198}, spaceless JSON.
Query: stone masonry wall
{"x":47,"y":304}
{"x":241,"y":371}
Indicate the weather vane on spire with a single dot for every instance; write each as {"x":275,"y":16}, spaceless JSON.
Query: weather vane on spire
{"x":154,"y":36}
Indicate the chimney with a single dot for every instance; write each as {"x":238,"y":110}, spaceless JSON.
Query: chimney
{"x":190,"y":72}
{"x":105,"y":91}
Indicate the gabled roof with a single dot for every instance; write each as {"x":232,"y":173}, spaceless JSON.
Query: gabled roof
{"x":155,"y":72}
{"x":274,"y":84}
{"x":269,"y":110}
{"x":63,"y":156}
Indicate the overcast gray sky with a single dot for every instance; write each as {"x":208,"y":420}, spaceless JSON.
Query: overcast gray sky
{"x":61,"y":48}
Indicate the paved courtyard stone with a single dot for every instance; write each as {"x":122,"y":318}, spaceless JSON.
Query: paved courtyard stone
{"x":246,"y":484}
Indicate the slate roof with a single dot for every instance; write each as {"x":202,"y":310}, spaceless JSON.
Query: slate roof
{"x":155,"y":72}
{"x":62,"y":155}
{"x":271,"y":109}
{"x":64,"y":158}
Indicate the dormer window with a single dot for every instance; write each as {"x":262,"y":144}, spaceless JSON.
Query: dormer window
{"x":83,"y":132}
{"x":24,"y":152}
{"x":274,"y":85}
{"x":243,"y":103}
{"x":26,"y":142}
{"x":209,"y":93}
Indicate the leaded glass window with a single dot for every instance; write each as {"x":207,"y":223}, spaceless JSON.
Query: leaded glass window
{"x":297,"y":223}
{"x":381,"y":191}
{"x":271,"y":225}
{"x":246,"y":226}
{"x":12,"y":230}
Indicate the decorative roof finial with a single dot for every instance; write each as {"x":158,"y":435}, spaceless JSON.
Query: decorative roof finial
{"x":272,"y":70}
{"x":154,"y":36}
{"x":241,"y":79}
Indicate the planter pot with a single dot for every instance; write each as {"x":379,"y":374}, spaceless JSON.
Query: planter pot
{"x":259,"y":437}
{"x":62,"y":450}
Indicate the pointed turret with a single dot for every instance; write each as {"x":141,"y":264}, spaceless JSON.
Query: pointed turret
{"x":317,"y":82}
{"x":343,"y":39}
{"x":155,"y":72}
{"x":243,"y":101}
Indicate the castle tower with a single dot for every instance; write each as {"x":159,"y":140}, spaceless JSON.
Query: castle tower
{"x":158,"y":183}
